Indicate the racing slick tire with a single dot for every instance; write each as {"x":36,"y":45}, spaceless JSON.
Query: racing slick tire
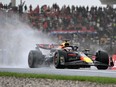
{"x":103,"y":58}
{"x":35,"y":59}
{"x":59,"y":59}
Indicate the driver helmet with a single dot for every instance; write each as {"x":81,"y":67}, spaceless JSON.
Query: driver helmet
{"x":65,"y":44}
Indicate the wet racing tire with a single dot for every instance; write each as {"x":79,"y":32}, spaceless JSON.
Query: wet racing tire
{"x":103,"y":58}
{"x":59,"y":59}
{"x":35,"y":59}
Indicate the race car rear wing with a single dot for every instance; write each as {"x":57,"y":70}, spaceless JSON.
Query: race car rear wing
{"x":47,"y":46}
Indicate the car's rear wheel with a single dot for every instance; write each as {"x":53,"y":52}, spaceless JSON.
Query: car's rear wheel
{"x":35,"y":59}
{"x":59,"y":59}
{"x":103,"y":58}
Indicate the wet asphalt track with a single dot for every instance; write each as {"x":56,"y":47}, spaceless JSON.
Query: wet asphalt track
{"x":71,"y":72}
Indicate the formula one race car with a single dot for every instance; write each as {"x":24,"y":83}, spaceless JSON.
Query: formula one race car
{"x":67,"y":57}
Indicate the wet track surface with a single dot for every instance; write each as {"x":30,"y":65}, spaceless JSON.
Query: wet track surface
{"x":70,"y":72}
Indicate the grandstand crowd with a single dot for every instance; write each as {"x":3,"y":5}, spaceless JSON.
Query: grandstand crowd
{"x":83,"y":25}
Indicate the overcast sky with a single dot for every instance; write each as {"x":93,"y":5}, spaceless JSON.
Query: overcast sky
{"x":59,"y":2}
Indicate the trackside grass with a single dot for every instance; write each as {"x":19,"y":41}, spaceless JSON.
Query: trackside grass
{"x":103,"y":80}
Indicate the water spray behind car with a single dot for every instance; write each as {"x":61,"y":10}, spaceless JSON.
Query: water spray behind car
{"x":17,"y":38}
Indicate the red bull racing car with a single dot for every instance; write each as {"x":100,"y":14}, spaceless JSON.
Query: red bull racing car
{"x":66,"y":56}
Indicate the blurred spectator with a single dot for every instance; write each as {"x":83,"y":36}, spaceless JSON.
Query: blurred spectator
{"x":5,"y":6}
{"x":25,"y":7}
{"x":10,"y":5}
{"x":30,"y":8}
{"x":21,"y":7}
{"x":1,"y":5}
{"x":36,"y":10}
